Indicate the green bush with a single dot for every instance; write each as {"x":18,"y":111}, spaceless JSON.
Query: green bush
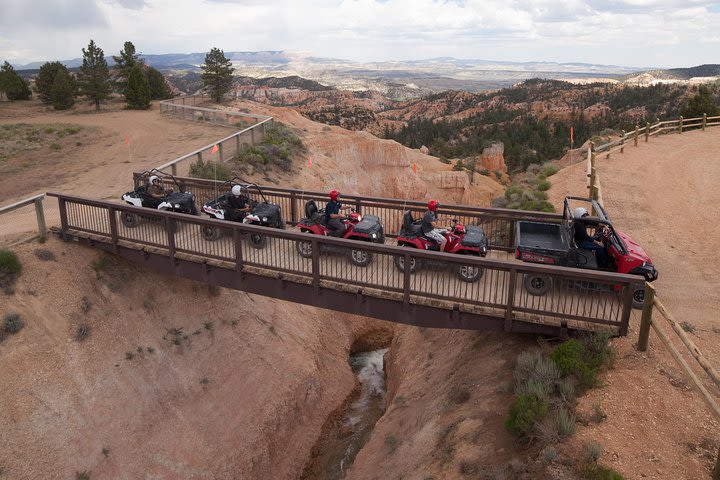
{"x":277,"y":148}
{"x":13,"y":323}
{"x":523,"y":414}
{"x":567,"y":356}
{"x":595,"y":471}
{"x":543,"y":185}
{"x":549,"y":171}
{"x":9,"y":262}
{"x":210,"y":170}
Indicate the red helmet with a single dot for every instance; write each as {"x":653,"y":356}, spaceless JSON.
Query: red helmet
{"x":432,"y":205}
{"x":334,"y":194}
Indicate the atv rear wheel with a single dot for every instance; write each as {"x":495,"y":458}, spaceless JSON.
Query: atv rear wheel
{"x":210,"y":233}
{"x":257,"y":241}
{"x":415,"y":264}
{"x":304,"y":248}
{"x":470,"y":273}
{"x":361,"y":258}
{"x":129,"y":220}
{"x":638,"y":298}
{"x":536,"y":284}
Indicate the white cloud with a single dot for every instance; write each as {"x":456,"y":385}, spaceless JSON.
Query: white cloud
{"x":622,"y":32}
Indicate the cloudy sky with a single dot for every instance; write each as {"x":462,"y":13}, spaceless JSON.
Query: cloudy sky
{"x":638,"y":33}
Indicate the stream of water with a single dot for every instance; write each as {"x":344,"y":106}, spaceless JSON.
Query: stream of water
{"x":349,"y":433}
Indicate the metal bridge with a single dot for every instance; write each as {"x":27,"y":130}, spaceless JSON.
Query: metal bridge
{"x":171,"y":243}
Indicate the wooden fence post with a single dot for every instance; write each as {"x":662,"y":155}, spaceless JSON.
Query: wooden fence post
{"x":646,"y":317}
{"x":716,"y":470}
{"x":635,"y":137}
{"x":704,"y":121}
{"x":220,"y":152}
{"x":647,"y":131}
{"x":40,"y":214}
{"x":622,"y":141}
{"x":681,"y":124}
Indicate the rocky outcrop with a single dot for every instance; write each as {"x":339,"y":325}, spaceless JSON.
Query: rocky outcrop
{"x":493,"y":159}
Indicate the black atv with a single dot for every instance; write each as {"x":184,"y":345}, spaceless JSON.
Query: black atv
{"x":174,"y":201}
{"x":263,"y":213}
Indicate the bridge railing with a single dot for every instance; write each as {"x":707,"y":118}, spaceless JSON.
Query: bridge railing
{"x":585,"y":300}
{"x":498,"y":223}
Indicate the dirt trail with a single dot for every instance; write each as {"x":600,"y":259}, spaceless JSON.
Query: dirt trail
{"x":664,"y":195}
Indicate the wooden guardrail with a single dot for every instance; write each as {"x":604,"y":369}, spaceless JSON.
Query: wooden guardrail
{"x":39,"y":213}
{"x":252,"y":129}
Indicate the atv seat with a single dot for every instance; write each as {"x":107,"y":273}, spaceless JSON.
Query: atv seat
{"x":409,"y":227}
{"x":586,"y":259}
{"x":312,"y":214}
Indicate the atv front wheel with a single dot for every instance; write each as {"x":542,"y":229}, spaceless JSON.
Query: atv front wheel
{"x":129,"y":220}
{"x":210,"y":233}
{"x":361,"y":258}
{"x":638,"y":298}
{"x":257,"y":241}
{"x":537,"y":285}
{"x":415,"y":264}
{"x":304,"y":248}
{"x":469,"y":273}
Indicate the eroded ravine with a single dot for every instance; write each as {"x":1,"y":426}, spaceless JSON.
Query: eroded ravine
{"x":347,"y":431}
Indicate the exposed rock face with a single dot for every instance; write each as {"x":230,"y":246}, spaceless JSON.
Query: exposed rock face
{"x":424,"y":150}
{"x":492,"y":157}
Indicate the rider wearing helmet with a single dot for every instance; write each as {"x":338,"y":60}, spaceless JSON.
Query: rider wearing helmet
{"x":429,"y":225}
{"x":332,"y":215}
{"x":238,"y":204}
{"x":155,"y":187}
{"x":583,"y":240}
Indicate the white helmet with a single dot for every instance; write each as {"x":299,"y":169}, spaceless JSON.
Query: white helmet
{"x":580,"y":212}
{"x":153,"y":178}
{"x":236,"y":190}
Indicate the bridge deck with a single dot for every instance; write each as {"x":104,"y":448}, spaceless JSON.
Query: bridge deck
{"x":432,"y":296}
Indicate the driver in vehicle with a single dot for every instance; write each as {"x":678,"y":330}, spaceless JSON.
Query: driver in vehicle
{"x":583,"y":240}
{"x":155,"y":188}
{"x":430,"y":228}
{"x":238,"y":204}
{"x":332,"y":215}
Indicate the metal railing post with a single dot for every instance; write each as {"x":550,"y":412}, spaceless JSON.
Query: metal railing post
{"x":646,"y":320}
{"x":40,"y":213}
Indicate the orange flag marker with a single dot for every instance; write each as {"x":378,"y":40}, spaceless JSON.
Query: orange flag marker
{"x":309,"y":162}
{"x":214,"y":149}
{"x":414,"y":167}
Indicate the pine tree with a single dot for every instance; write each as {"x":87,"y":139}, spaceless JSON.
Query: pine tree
{"x":63,"y":90}
{"x":137,"y":93}
{"x":94,"y":75}
{"x":14,"y":86}
{"x":701,"y":103}
{"x":46,"y":78}
{"x":217,"y":74}
{"x":159,"y":89}
{"x":124,"y":64}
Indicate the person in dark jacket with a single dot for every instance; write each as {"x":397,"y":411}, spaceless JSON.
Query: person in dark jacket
{"x":332,"y":215}
{"x":430,"y":226}
{"x":583,"y":240}
{"x":238,"y":204}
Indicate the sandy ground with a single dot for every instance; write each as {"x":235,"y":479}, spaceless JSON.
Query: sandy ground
{"x":248,"y":399}
{"x":663,"y":194}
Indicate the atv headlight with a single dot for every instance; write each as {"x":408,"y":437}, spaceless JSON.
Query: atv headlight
{"x":177,"y":205}
{"x":373,"y":235}
{"x":264,"y":219}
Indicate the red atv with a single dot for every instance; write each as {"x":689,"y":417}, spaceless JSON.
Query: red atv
{"x":366,"y":228}
{"x":554,"y":244}
{"x":461,"y":240}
